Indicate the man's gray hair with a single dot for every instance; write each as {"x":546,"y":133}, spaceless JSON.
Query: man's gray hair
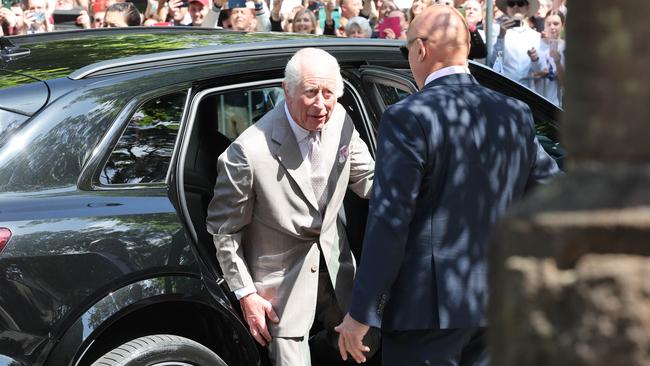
{"x":293,"y":71}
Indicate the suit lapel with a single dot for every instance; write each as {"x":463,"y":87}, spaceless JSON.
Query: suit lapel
{"x":289,"y":156}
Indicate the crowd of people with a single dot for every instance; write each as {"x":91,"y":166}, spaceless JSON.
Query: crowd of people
{"x":526,"y":42}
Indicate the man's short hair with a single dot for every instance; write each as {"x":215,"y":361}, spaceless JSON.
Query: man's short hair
{"x":293,"y":71}
{"x":129,"y":10}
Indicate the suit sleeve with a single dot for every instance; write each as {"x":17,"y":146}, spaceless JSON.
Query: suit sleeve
{"x":401,"y":159}
{"x":362,"y":167}
{"x":230,"y":211}
{"x":543,"y":167}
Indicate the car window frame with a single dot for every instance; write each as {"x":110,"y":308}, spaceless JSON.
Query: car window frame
{"x":89,"y":176}
{"x":373,"y":75}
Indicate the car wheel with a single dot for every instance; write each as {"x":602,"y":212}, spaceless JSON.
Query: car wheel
{"x":160,"y":349}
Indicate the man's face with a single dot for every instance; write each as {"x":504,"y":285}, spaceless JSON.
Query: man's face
{"x":473,"y":12}
{"x":351,"y":8}
{"x":37,"y":5}
{"x":517,"y":7}
{"x":314,"y":98}
{"x":241,"y":18}
{"x":114,"y":19}
{"x":198,"y":12}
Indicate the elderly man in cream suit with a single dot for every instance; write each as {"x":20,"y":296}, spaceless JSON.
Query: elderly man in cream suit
{"x":275,"y":211}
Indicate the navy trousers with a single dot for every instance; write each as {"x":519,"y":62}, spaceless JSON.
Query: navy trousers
{"x":447,"y":347}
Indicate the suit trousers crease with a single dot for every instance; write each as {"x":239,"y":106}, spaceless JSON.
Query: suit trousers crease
{"x":297,"y":351}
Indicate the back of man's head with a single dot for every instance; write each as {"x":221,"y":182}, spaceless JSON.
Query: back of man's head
{"x":130,"y":14}
{"x":445,"y":31}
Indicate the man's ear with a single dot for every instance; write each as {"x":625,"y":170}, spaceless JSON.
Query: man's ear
{"x":422,"y":51}
{"x":286,"y":89}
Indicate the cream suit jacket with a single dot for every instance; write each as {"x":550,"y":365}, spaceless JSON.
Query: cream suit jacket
{"x":265,"y":220}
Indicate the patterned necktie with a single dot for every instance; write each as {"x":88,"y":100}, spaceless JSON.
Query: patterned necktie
{"x":318,"y":178}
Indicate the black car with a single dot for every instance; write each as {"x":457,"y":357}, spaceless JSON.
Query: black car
{"x":108,"y":144}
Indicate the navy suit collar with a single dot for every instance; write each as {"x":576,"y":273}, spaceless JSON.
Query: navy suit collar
{"x":453,"y":79}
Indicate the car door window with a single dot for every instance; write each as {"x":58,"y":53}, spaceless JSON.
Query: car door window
{"x":143,"y":152}
{"x":390,"y":94}
{"x":237,"y":110}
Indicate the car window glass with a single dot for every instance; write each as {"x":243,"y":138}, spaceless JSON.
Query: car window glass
{"x":390,"y":94}
{"x":143,"y":153}
{"x":237,"y":110}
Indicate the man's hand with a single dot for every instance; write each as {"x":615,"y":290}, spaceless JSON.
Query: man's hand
{"x":532,"y":53}
{"x":256,"y":309}
{"x":351,"y":334}
{"x":83,"y":19}
{"x":7,"y":16}
{"x":507,"y":24}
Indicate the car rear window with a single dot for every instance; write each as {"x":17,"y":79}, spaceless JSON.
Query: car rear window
{"x":143,"y":153}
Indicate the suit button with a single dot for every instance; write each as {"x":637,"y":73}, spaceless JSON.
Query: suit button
{"x":314,"y":268}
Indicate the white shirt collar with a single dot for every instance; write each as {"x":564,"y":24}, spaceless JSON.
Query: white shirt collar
{"x":449,"y":70}
{"x":298,"y":131}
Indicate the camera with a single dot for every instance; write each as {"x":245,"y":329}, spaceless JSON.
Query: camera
{"x":39,"y":17}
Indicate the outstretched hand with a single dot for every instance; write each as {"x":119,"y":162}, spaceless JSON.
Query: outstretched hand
{"x":351,"y":333}
{"x":256,"y":309}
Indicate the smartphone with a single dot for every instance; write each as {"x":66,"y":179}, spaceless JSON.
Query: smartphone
{"x":517,"y":23}
{"x":185,"y":3}
{"x":39,"y":17}
{"x":392,"y":23}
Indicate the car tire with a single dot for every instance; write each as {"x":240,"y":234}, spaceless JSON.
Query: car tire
{"x":160,"y":349}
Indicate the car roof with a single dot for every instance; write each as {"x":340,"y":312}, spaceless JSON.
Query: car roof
{"x":81,"y":53}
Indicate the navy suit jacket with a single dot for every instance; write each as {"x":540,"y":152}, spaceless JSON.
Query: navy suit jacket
{"x":451,"y":159}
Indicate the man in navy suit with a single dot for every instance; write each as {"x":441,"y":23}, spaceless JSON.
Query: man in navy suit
{"x":451,"y":159}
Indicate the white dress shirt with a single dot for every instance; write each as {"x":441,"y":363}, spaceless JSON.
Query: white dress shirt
{"x":515,"y":46}
{"x":449,"y":70}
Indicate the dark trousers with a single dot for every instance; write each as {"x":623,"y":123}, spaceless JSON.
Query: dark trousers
{"x":447,"y":347}
{"x":324,"y":341}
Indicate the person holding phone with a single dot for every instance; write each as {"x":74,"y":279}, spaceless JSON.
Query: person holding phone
{"x":11,"y":20}
{"x":516,"y":39}
{"x":393,"y":26}
{"x":547,"y":64}
{"x":36,"y":17}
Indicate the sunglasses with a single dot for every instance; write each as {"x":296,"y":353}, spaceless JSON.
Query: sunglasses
{"x":405,"y":49}
{"x":519,"y":3}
